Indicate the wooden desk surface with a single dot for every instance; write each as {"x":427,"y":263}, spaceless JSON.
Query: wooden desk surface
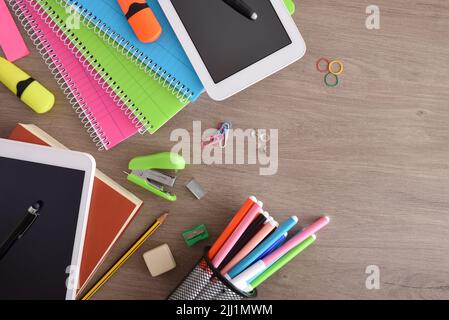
{"x":373,"y":154}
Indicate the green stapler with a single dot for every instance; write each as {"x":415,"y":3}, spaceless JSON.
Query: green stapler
{"x":145,"y":174}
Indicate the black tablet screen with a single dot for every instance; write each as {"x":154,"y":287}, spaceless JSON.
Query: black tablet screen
{"x":35,"y":267}
{"x":227,"y":41}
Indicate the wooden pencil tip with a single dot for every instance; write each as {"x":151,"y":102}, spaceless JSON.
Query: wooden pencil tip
{"x":162,"y":217}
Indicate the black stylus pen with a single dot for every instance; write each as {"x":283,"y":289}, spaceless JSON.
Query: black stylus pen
{"x":22,"y":227}
{"x":243,"y":8}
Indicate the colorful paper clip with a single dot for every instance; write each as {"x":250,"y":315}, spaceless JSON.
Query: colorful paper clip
{"x":224,"y":131}
{"x":212,"y":140}
{"x":220,"y":137}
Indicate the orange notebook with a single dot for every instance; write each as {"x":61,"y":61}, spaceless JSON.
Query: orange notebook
{"x":111,"y":210}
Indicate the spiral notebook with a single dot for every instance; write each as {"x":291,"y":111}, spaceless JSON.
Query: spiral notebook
{"x":97,"y":106}
{"x":164,"y":58}
{"x":147,"y":98}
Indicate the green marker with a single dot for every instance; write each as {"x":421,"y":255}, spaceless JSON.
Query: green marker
{"x":286,"y":258}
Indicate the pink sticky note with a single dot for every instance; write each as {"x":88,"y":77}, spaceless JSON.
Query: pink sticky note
{"x":11,"y":41}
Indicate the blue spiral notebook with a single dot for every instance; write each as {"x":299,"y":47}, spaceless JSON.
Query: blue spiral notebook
{"x":163,"y":59}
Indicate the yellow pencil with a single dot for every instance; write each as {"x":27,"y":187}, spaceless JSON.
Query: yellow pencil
{"x":156,"y":224}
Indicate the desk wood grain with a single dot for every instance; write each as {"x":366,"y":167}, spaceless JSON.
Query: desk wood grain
{"x":372,"y":154}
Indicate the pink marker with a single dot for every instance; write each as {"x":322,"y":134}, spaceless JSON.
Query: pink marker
{"x":241,"y":281}
{"x":293,"y":242}
{"x":269,"y":226}
{"x":237,"y":233}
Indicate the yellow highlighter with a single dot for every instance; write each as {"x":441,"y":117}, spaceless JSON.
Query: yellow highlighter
{"x":31,"y":92}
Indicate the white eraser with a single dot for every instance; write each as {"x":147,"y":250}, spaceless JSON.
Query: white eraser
{"x":159,"y":260}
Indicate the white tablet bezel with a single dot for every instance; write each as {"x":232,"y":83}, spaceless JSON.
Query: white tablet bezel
{"x":66,"y":159}
{"x":250,"y":75}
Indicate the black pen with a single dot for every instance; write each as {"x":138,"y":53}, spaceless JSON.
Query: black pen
{"x":243,"y":8}
{"x":22,"y":227}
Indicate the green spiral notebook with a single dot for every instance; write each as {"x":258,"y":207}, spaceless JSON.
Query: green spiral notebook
{"x":145,"y":97}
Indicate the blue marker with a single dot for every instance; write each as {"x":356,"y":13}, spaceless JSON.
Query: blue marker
{"x":276,"y":245}
{"x":272,"y":248}
{"x":265,"y":245}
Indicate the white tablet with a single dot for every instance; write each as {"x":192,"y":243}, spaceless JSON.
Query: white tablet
{"x":229,"y":51}
{"x":40,"y":252}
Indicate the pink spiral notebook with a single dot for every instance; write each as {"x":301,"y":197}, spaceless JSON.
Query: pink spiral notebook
{"x":99,"y":109}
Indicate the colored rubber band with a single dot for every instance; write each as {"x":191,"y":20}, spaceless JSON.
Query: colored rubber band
{"x":318,"y":63}
{"x":331,"y":67}
{"x":326,"y":80}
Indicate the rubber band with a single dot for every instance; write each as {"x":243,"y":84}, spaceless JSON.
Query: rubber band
{"x":331,"y":65}
{"x":318,"y":63}
{"x":327,"y":82}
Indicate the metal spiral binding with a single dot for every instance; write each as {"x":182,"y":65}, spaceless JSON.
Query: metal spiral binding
{"x":91,"y":65}
{"x":62,"y":78}
{"x":115,"y":40}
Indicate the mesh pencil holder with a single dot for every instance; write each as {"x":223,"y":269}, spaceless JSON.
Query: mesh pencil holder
{"x":205,"y":282}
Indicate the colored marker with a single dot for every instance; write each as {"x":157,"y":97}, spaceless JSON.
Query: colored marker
{"x":260,"y":249}
{"x":264,"y":263}
{"x":235,"y":236}
{"x":270,"y":250}
{"x":215,"y":287}
{"x":280,"y":263}
{"x":257,"y":269}
{"x":268,"y":227}
{"x":276,"y":245}
{"x":204,"y":273}
{"x":293,"y":242}
{"x":231,"y":226}
{"x":246,"y":236}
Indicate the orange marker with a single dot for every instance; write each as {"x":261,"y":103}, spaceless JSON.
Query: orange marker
{"x":142,"y":19}
{"x":231,"y":226}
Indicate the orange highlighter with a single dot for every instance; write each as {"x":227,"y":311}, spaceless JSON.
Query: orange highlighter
{"x":142,"y":19}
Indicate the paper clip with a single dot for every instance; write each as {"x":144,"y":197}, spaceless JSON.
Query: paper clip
{"x":220,"y":137}
{"x":224,"y":130}
{"x":212,"y":140}
{"x":225,"y":127}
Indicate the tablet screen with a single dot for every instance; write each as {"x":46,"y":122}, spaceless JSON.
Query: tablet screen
{"x":35,"y":266}
{"x":227,"y":41}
